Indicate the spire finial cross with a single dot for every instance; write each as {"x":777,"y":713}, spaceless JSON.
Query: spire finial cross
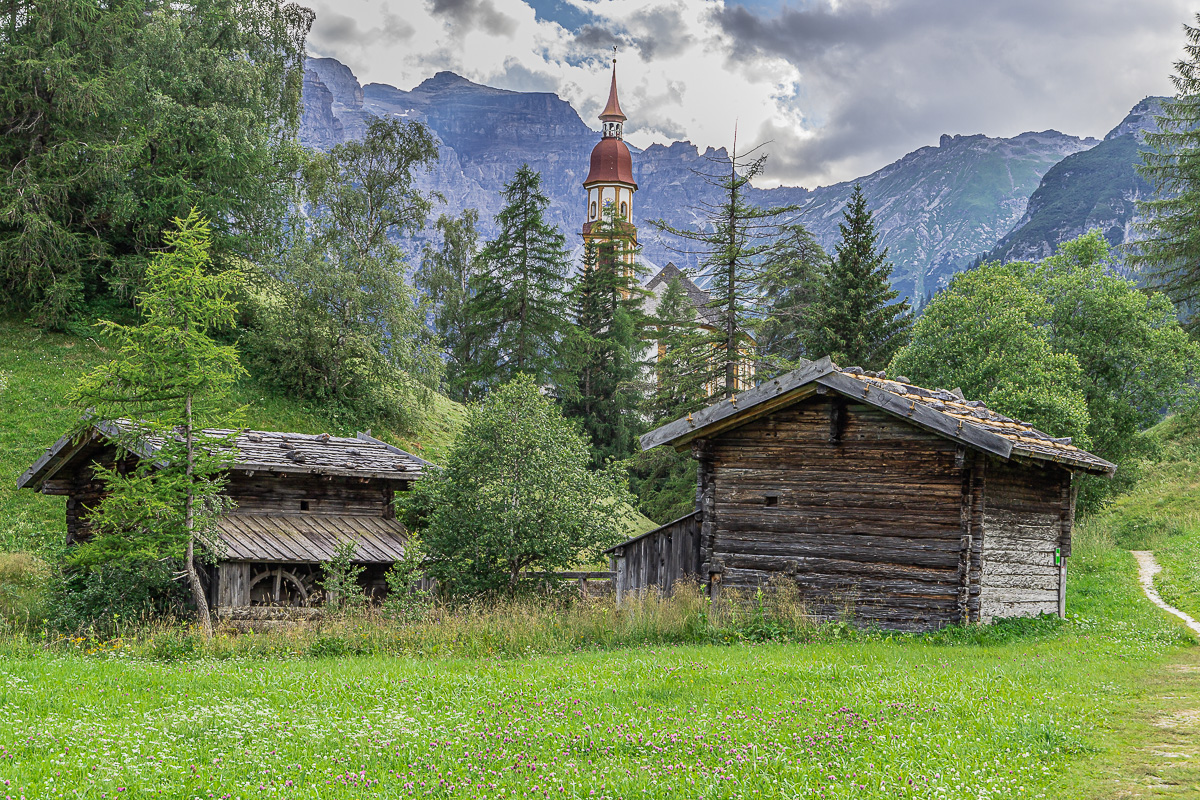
{"x":614,"y":54}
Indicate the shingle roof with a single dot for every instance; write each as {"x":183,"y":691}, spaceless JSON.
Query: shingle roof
{"x":312,"y":538}
{"x":701,"y":299}
{"x":942,"y":412}
{"x":362,"y":456}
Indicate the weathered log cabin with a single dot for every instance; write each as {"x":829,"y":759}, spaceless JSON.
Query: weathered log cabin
{"x":297,"y":499}
{"x":895,"y":505}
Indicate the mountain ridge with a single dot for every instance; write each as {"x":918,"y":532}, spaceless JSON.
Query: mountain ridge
{"x":937,"y":208}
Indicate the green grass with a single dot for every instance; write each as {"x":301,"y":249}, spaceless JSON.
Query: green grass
{"x":38,"y":370}
{"x":1013,"y":709}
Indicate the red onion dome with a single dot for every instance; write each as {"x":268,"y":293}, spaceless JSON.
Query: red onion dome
{"x":611,"y":163}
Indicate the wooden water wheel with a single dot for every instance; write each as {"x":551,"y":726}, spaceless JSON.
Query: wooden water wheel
{"x":279,"y":585}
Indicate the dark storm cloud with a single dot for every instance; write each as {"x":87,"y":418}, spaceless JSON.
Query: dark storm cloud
{"x":594,"y":37}
{"x":519,"y":78}
{"x":472,"y":14}
{"x":880,"y":78}
{"x":333,"y":30}
{"x":661,"y":32}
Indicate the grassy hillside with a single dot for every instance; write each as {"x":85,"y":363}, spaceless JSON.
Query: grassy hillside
{"x":1162,"y":512}
{"x":38,"y":369}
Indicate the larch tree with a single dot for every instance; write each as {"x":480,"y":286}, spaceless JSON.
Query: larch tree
{"x":170,"y":380}
{"x":449,"y":276}
{"x":858,"y":321}
{"x":604,"y":352}
{"x":731,"y":240}
{"x":522,"y":291}
{"x":1169,"y":253}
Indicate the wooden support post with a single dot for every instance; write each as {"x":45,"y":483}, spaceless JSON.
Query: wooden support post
{"x":975,"y":571}
{"x":1062,"y":588}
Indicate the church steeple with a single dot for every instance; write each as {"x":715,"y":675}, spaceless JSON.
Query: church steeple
{"x":612,"y":116}
{"x":610,"y":180}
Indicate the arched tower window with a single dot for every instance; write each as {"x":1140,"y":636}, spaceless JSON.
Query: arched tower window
{"x":624,"y":211}
{"x":592,"y":211}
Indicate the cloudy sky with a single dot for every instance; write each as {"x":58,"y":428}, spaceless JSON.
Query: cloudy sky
{"x":840,"y":87}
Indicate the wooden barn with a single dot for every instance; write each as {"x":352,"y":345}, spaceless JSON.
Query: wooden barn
{"x":902,"y":507}
{"x":298,"y":499}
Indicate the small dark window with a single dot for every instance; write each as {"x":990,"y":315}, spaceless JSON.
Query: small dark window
{"x":771,"y":500}
{"x":304,"y":505}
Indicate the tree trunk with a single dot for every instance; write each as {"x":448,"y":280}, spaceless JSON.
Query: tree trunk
{"x":193,"y":576}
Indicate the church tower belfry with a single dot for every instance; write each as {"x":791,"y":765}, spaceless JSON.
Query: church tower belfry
{"x":610,"y":182}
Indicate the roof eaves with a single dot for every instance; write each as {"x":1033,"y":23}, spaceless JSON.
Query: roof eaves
{"x":641,"y":536}
{"x":730,"y":411}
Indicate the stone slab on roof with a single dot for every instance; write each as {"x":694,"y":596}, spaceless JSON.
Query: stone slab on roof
{"x":321,"y":454}
{"x":943,"y":412}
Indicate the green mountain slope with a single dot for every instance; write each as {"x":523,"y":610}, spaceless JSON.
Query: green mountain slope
{"x":1162,"y":512}
{"x":37,"y":370}
{"x":1096,"y":188}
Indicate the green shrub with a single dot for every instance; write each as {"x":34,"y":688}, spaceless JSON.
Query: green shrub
{"x":104,"y":599}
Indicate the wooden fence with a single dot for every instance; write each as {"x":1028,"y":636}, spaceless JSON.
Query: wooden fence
{"x":658,"y":558}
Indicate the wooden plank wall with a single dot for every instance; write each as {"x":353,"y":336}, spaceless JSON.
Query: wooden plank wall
{"x":233,"y":584}
{"x":866,"y":516}
{"x":1023,"y":523}
{"x":269,"y":493}
{"x":660,"y":558}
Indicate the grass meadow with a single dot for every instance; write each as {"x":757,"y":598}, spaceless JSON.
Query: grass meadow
{"x":671,"y":699}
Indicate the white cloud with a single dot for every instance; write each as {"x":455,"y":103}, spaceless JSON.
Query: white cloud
{"x":842,"y":88}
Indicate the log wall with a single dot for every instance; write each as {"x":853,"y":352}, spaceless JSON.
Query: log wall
{"x":270,"y":493}
{"x":1027,"y":517}
{"x":863,"y":510}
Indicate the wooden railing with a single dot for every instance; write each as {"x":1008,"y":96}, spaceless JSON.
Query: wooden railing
{"x":659,"y":558}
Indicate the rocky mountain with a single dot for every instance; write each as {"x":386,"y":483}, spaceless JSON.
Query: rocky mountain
{"x":937,"y":208}
{"x":1095,"y":188}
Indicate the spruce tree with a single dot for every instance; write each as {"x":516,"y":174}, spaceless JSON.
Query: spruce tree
{"x":1170,"y":252}
{"x":118,"y":117}
{"x":449,"y":277}
{"x":521,"y":294}
{"x":791,"y":286}
{"x":681,"y":359}
{"x":732,"y":239}
{"x":858,"y":321}
{"x":603,"y":385}
{"x":663,"y":480}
